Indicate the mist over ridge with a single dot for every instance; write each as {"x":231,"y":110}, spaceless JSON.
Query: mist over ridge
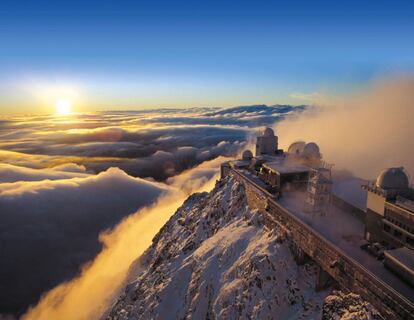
{"x":364,"y":132}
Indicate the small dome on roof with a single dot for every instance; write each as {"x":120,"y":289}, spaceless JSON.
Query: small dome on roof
{"x":296,"y":147}
{"x":311,"y":149}
{"x":392,"y":178}
{"x":269,"y":132}
{"x":247,"y":155}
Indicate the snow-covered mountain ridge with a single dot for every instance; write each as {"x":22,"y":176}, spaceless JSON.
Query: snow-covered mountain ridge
{"x":214,"y":259}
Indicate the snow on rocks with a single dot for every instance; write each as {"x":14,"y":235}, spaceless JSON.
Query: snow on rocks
{"x":341,"y":306}
{"x":215,"y":260}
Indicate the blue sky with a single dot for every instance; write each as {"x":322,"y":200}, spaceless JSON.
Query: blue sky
{"x":133,"y":54}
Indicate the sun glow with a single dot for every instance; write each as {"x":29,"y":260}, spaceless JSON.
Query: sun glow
{"x":63,"y":106}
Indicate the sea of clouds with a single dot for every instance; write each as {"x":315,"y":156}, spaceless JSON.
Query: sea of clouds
{"x":82,"y":196}
{"x":66,"y":183}
{"x":155,"y":143}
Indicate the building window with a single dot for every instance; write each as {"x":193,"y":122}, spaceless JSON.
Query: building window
{"x":387,"y":228}
{"x":410,"y":241}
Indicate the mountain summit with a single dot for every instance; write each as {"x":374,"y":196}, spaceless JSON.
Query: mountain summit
{"x":214,"y":259}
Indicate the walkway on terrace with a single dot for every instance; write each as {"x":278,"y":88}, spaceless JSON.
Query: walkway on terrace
{"x":346,"y":232}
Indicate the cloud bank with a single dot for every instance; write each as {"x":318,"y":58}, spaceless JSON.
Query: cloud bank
{"x":90,"y":294}
{"x":59,"y":191}
{"x":49,"y":228}
{"x":11,"y":173}
{"x":135,"y":141}
{"x":365,"y":132}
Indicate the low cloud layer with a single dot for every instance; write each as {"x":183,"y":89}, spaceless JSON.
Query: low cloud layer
{"x":49,"y":228}
{"x":88,"y":296}
{"x":11,"y":173}
{"x":138,"y":142}
{"x":365,"y":132}
{"x":59,"y":192}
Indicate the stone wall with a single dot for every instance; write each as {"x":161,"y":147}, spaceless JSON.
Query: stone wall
{"x":348,"y":273}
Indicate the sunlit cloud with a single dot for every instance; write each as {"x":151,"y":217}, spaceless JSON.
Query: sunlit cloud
{"x":104,"y":278}
{"x":61,"y":220}
{"x":59,"y":190}
{"x":12,"y":173}
{"x":363,"y":132}
{"x":139,"y":142}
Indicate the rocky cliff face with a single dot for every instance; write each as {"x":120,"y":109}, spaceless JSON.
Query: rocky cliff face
{"x":215,"y":260}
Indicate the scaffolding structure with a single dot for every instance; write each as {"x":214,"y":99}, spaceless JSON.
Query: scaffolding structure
{"x":319,"y":188}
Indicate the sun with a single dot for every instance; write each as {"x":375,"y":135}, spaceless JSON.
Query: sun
{"x":63,"y":106}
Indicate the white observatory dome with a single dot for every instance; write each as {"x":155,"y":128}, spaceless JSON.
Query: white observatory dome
{"x":392,"y":178}
{"x":311,"y":149}
{"x":247,"y":155}
{"x":296,"y":147}
{"x":269,"y":132}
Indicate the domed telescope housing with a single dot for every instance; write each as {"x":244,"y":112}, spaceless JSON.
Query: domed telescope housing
{"x":311,"y":151}
{"x":267,"y":143}
{"x":390,"y":208}
{"x":392,"y":179}
{"x":296,"y":148}
{"x":307,"y":153}
{"x":390,"y":183}
{"x":268,"y":132}
{"x":247,"y":155}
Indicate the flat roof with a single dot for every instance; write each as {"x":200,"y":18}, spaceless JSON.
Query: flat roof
{"x":349,"y":189}
{"x":240,"y":163}
{"x":403,"y":256}
{"x":283,"y":167}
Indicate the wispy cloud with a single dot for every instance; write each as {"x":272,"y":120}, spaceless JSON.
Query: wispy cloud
{"x":364,"y":132}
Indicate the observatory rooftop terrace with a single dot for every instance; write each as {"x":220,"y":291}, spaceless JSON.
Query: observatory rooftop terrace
{"x":335,"y":250}
{"x":345,"y":231}
{"x":328,"y":220}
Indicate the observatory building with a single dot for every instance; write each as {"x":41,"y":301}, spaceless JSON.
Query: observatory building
{"x":301,"y":181}
{"x":390,"y":209}
{"x":389,"y":220}
{"x":301,"y":167}
{"x":267,"y":143}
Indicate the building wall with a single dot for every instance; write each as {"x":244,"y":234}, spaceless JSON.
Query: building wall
{"x":224,"y":169}
{"x":266,"y":145}
{"x":373,"y":219}
{"x":373,"y":226}
{"x":270,"y":176}
{"x":404,"y":216}
{"x":399,"y":226}
{"x":375,"y":203}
